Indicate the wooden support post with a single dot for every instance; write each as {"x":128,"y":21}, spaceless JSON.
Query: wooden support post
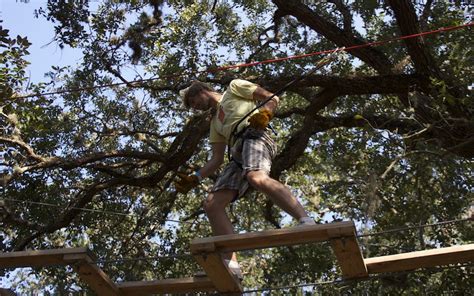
{"x":95,"y":277}
{"x":348,"y":253}
{"x":342,"y":234}
{"x":182,"y":285}
{"x":219,"y":273}
{"x":420,"y":259}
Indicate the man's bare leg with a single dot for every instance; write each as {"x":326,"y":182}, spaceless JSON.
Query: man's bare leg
{"x":214,"y":206}
{"x":277,"y":192}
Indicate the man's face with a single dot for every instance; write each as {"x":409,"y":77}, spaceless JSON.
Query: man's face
{"x":201,"y":101}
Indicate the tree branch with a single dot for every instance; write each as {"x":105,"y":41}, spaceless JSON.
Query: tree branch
{"x":382,"y":84}
{"x":407,"y":21}
{"x":305,"y":15}
{"x":298,"y":142}
{"x":346,"y":14}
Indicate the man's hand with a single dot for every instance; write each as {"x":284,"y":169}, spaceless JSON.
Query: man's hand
{"x":185,"y":182}
{"x":261,"y":119}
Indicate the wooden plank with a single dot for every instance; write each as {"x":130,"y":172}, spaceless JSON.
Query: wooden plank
{"x":182,"y":285}
{"x":38,"y":258}
{"x":95,"y":277}
{"x":80,"y":258}
{"x":272,"y":238}
{"x":349,"y":257}
{"x":420,"y":259}
{"x":218,"y":272}
{"x":6,"y":292}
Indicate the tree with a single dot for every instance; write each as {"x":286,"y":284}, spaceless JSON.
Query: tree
{"x":383,"y":135}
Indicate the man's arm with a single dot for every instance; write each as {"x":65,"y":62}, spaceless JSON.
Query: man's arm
{"x":218,"y":153}
{"x":262,"y":94}
{"x":185,"y":182}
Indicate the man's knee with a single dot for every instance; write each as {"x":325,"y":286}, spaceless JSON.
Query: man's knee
{"x":257,"y":179}
{"x":210,"y":204}
{"x":216,"y":202}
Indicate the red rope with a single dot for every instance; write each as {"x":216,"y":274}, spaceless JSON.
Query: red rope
{"x":214,"y":70}
{"x":375,"y":43}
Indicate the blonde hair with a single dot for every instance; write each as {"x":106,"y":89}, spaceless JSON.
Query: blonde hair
{"x":194,"y":89}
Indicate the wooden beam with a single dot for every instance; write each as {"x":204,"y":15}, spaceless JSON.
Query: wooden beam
{"x":273,"y":238}
{"x":420,"y":259}
{"x":6,"y":292}
{"x":80,"y":258}
{"x":182,"y":285}
{"x":39,"y":258}
{"x":349,"y":256}
{"x":218,"y":272}
{"x":95,"y":277}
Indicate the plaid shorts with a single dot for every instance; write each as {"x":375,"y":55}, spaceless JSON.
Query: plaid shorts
{"x":253,"y":151}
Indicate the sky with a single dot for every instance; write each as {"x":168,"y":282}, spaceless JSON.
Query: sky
{"x":18,"y":17}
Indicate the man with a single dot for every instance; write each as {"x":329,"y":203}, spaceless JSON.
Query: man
{"x":252,"y":152}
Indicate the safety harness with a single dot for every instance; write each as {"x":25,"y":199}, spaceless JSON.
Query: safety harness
{"x":235,"y":135}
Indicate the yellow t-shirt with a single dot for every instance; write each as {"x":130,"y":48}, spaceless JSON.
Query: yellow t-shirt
{"x":236,"y":102}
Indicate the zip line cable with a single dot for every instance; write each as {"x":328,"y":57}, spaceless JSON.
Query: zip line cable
{"x":87,"y":209}
{"x":416,"y":227}
{"x":251,"y":64}
{"x":441,"y":223}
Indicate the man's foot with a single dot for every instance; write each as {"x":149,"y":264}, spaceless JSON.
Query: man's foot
{"x":305,"y":221}
{"x":234,"y":268}
{"x":200,"y":273}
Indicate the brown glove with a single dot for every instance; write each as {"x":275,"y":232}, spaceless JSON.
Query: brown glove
{"x":261,"y":119}
{"x":186,"y":182}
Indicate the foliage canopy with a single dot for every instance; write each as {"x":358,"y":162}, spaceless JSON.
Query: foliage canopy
{"x":383,"y":136}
